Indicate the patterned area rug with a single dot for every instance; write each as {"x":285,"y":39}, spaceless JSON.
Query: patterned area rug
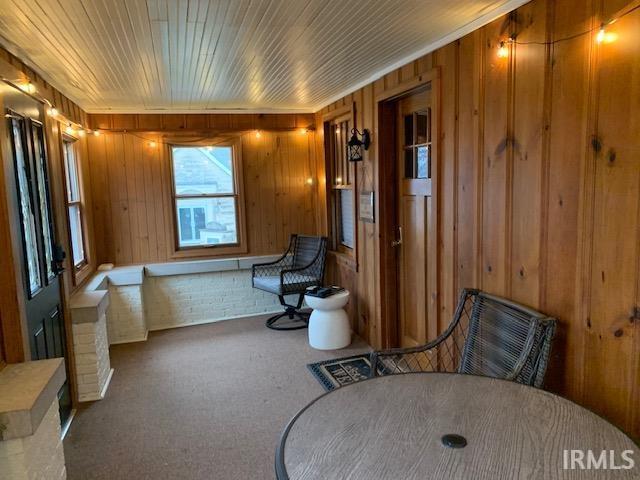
{"x":341,"y":371}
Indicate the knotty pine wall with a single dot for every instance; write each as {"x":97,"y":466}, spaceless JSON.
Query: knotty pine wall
{"x":131,"y":188}
{"x":539,"y":182}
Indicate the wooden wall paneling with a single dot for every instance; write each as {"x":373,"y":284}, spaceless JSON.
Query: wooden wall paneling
{"x":448,"y":63}
{"x":611,"y":368}
{"x":467,"y":166}
{"x":131,"y":159}
{"x":496,"y":191}
{"x":529,"y":152}
{"x":568,"y":143}
{"x":531,"y":200}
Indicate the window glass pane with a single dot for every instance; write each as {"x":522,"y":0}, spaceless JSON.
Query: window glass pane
{"x":75,"y":228}
{"x":26,"y":209}
{"x":422,"y":160}
{"x":206,"y":221}
{"x":203,"y":170}
{"x":346,"y":218}
{"x":43,"y":195}
{"x":71,"y":168}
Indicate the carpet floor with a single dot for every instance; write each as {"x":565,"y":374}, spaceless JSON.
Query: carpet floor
{"x":201,"y":402}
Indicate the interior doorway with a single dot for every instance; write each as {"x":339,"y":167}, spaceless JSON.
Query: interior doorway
{"x":408,"y":122}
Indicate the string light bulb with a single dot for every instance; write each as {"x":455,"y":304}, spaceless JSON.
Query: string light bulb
{"x":606,"y":37}
{"x":53,"y":112}
{"x":310,"y":181}
{"x":258,"y":134}
{"x":28,"y":87}
{"x":338,"y":180}
{"x":81,"y":132}
{"x":152,"y":144}
{"x":337,"y":130}
{"x":69,"y":130}
{"x":303,"y":131}
{"x":503,"y":50}
{"x":96,"y":133}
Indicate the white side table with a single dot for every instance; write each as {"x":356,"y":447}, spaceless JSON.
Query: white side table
{"x":329,"y":327}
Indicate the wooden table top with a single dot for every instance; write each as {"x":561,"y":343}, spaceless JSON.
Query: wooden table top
{"x":392,"y":427}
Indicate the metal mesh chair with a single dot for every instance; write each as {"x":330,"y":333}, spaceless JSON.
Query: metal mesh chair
{"x":301,"y":266}
{"x":489,"y":336}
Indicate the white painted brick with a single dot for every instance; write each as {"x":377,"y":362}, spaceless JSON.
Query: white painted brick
{"x":39,"y":456}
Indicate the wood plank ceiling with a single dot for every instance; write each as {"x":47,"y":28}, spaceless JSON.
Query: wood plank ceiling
{"x":201,"y":55}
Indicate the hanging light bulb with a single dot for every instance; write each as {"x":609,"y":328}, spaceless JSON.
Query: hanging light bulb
{"x":258,"y":134}
{"x":337,"y":130}
{"x":96,"y":133}
{"x":310,"y":181}
{"x":69,"y":130}
{"x":152,"y":144}
{"x":303,"y":131}
{"x":81,"y":132}
{"x":53,"y":112}
{"x":601,"y":34}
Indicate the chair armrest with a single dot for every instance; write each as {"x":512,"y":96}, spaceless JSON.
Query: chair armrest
{"x":410,"y":359}
{"x":271,"y":268}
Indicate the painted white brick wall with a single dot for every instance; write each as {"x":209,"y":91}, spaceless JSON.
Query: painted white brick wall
{"x":125,"y":315}
{"x":93,"y":366}
{"x":37,"y":457}
{"x":174,"y":301}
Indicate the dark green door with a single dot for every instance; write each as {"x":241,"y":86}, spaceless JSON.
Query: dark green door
{"x":41,"y":277}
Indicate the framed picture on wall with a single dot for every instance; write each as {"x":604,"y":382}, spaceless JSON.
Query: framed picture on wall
{"x":366,"y":206}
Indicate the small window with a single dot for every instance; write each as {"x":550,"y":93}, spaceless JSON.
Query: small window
{"x":74,"y":205}
{"x":341,"y":181}
{"x":206,"y":196}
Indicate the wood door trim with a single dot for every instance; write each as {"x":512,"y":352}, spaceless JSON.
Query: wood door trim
{"x":387,"y":188}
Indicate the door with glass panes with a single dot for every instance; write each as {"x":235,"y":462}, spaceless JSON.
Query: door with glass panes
{"x":415,"y":215}
{"x":33,"y":213}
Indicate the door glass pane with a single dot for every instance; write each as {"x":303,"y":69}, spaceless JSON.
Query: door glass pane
{"x":43,"y":196}
{"x":422,"y":162}
{"x":346,"y":218}
{"x":71,"y":168}
{"x":422,"y":127}
{"x":26,"y":208}
{"x":203,"y":170}
{"x":408,"y":129}
{"x":207,"y":221}
{"x":408,"y":163}
{"x":75,"y":227}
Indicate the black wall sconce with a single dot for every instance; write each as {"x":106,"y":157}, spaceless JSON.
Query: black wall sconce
{"x":357,"y":143}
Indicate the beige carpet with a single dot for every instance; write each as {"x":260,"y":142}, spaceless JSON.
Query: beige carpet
{"x":201,"y":402}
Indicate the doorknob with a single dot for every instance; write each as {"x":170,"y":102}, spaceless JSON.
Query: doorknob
{"x":398,"y":242}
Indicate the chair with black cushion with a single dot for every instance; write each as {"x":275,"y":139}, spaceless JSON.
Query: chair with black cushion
{"x":301,"y":266}
{"x":489,"y":336}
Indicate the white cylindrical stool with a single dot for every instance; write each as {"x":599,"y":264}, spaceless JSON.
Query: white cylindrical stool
{"x":329,"y":327}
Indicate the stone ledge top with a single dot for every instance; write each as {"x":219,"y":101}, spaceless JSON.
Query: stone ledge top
{"x":26,"y":393}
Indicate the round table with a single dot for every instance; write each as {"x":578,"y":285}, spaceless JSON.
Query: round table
{"x":392,"y":428}
{"x":329,"y":327}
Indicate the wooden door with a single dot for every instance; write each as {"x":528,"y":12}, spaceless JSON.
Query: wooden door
{"x":34,"y":228}
{"x":415,"y":210}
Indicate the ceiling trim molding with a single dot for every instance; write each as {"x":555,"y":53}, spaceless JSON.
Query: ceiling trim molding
{"x":452,"y":37}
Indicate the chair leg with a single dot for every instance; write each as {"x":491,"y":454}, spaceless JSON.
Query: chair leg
{"x":291,"y":312}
